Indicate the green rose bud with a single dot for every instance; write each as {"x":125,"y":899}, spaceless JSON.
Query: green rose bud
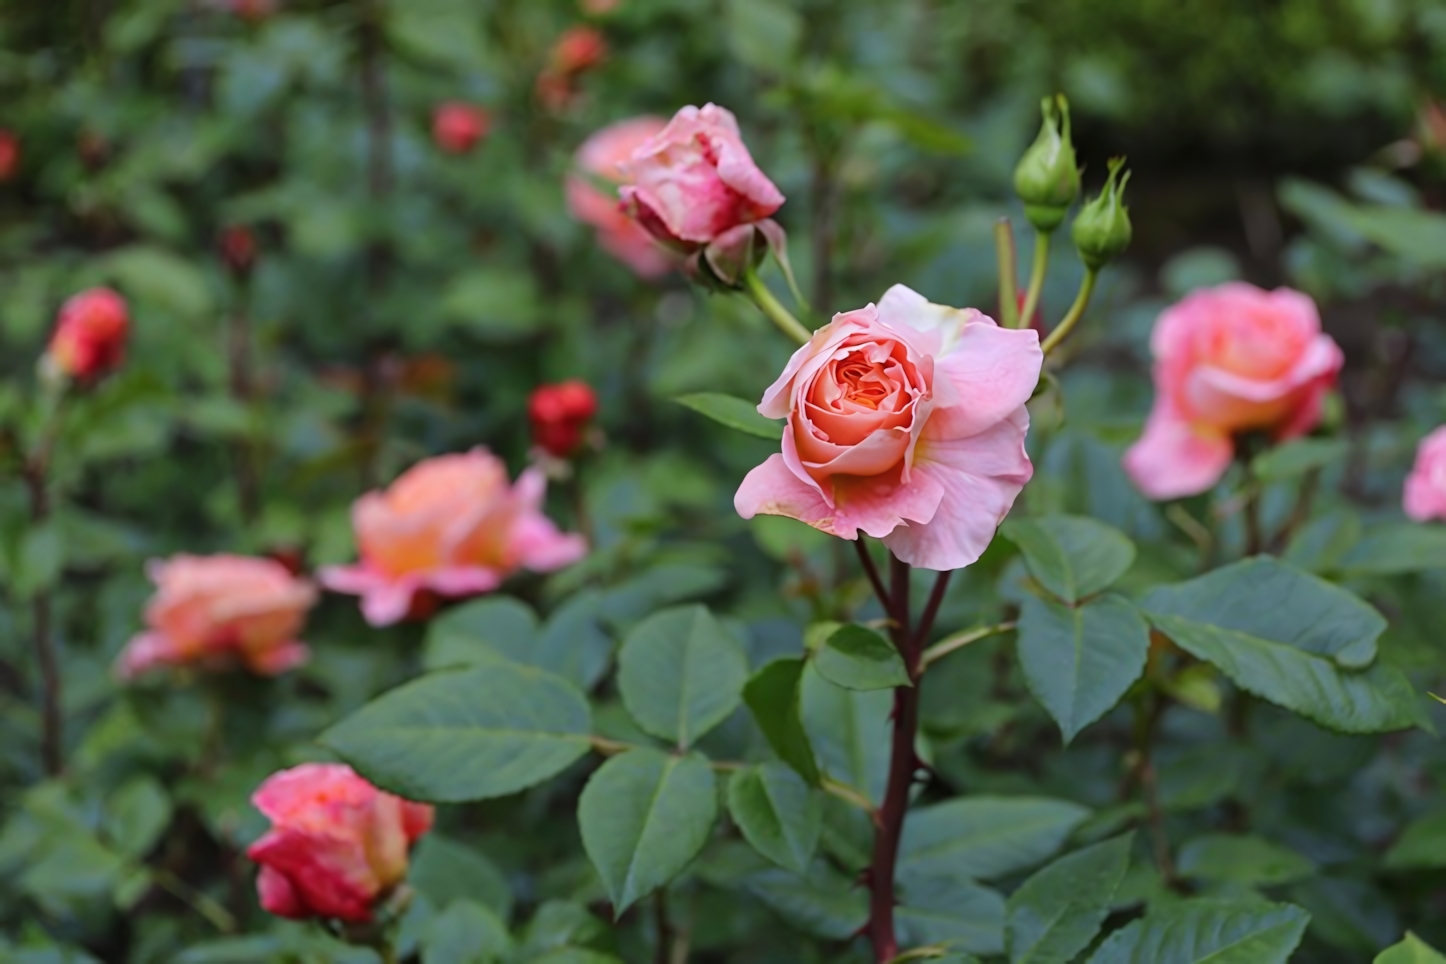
{"x":1102,"y":227}
{"x":1046,"y":179}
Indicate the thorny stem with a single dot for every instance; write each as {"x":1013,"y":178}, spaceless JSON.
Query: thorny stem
{"x":958,"y":641}
{"x":773,"y":309}
{"x":1146,"y":719}
{"x":1036,"y":278}
{"x":931,"y":609}
{"x":872,"y":571}
{"x":1076,"y":310}
{"x":1008,"y":278}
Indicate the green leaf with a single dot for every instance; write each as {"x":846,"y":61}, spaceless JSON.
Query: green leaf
{"x":480,"y":630}
{"x":850,"y":731}
{"x":1391,"y":550}
{"x":644,"y":816}
{"x":40,"y":560}
{"x":857,"y":658}
{"x":466,"y":734}
{"x":762,"y":33}
{"x":823,"y":902}
{"x":957,"y":914}
{"x":444,"y":870}
{"x":778,"y":813}
{"x":1242,"y":859}
{"x":1411,"y":950}
{"x":1200,"y":931}
{"x":982,"y":838}
{"x":1297,"y":457}
{"x":734,"y":413}
{"x":1421,"y":845}
{"x":137,"y":814}
{"x":1079,"y":661}
{"x":160,"y":278}
{"x":1071,"y":556}
{"x":1057,"y":912}
{"x":464,"y":933}
{"x":773,"y":694}
{"x":573,"y":955}
{"x":681,"y":673}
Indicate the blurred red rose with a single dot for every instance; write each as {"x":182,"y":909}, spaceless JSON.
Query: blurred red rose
{"x":90,"y":335}
{"x":238,"y":248}
{"x":9,"y":155}
{"x":579,"y":48}
{"x":559,"y":414}
{"x":457,"y":127}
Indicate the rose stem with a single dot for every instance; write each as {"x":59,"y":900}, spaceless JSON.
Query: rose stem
{"x":1008,"y":285}
{"x":1081,"y":301}
{"x":771,"y":307}
{"x":37,"y":471}
{"x":1036,"y":278}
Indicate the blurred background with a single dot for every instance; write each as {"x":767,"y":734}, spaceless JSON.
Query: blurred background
{"x":328,"y":280}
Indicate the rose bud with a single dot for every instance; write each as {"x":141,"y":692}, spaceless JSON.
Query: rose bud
{"x":600,"y":159}
{"x":453,"y":525}
{"x":1046,"y":178}
{"x":253,"y":11}
{"x":906,"y":421}
{"x":559,"y":414}
{"x":238,"y":249}
{"x":578,"y":49}
{"x":1102,"y":230}
{"x":9,"y":155}
{"x":337,"y":846}
{"x":1425,"y":495}
{"x":1229,"y":360}
{"x":90,"y":335}
{"x":215,"y":611}
{"x":458,"y":127}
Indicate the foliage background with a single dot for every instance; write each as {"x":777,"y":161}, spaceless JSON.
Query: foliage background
{"x":404,"y":302}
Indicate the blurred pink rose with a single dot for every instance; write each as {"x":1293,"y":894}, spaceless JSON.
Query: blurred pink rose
{"x":906,"y":421}
{"x":601,"y":157}
{"x":451,"y":525}
{"x":90,"y":334}
{"x":694,"y":180}
{"x":336,"y":845}
{"x":1229,"y":359}
{"x":457,"y":127}
{"x":211,"y":609}
{"x":1425,"y":496}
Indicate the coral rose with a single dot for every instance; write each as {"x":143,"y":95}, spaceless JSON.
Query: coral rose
{"x":90,"y":335}
{"x":600,"y":159}
{"x":1228,"y":360}
{"x":694,"y":186}
{"x":905,"y":421}
{"x":453,"y":526}
{"x":337,"y":844}
{"x":558,"y":414}
{"x":1425,"y":495}
{"x":214,"y":609}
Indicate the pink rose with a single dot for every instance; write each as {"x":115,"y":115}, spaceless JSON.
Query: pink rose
{"x":906,"y":421}
{"x":214,"y":609}
{"x":336,"y":845}
{"x":451,"y":525}
{"x":694,"y":186}
{"x":1229,"y":359}
{"x":600,"y":159}
{"x":1425,"y":496}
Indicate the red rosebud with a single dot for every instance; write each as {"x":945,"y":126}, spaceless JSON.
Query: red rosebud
{"x":9,"y":155}
{"x":238,"y":248}
{"x":90,"y":335}
{"x":253,"y":10}
{"x":559,"y":413}
{"x":457,"y":127}
{"x":578,"y":49}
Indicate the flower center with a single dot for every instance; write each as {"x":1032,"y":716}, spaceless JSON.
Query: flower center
{"x":864,"y":383}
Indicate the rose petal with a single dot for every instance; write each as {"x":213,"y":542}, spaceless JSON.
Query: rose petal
{"x":1174,"y":458}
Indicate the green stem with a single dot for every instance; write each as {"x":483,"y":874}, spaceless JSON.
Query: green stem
{"x":1036,"y":278}
{"x":1008,"y":284}
{"x":958,"y":641}
{"x":1076,"y":310}
{"x":218,"y":916}
{"x":775,"y":311}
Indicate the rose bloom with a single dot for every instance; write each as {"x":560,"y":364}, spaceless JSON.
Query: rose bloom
{"x":9,"y":155}
{"x":337,"y":845}
{"x":558,"y":414}
{"x":457,"y":127}
{"x":600,"y":158}
{"x":451,"y":526}
{"x":1425,"y":496}
{"x":578,"y":49}
{"x":90,"y":334}
{"x":1229,"y":359}
{"x":905,"y":421}
{"x":695,"y":181}
{"x":213,"y":610}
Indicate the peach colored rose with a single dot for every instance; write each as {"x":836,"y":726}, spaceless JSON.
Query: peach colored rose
{"x":694,"y":181}
{"x":90,"y":334}
{"x":337,"y":844}
{"x":600,"y":160}
{"x":451,"y":525}
{"x":1425,"y":495}
{"x":1229,"y":359}
{"x":213,"y":609}
{"x":905,"y":421}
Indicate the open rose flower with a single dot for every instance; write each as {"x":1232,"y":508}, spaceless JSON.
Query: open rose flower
{"x":694,"y":186}
{"x":1228,"y":360}
{"x":1425,"y":496}
{"x":214,"y":610}
{"x":337,"y":845}
{"x":600,"y":159}
{"x":90,"y":334}
{"x":905,"y":421}
{"x":451,"y":526}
